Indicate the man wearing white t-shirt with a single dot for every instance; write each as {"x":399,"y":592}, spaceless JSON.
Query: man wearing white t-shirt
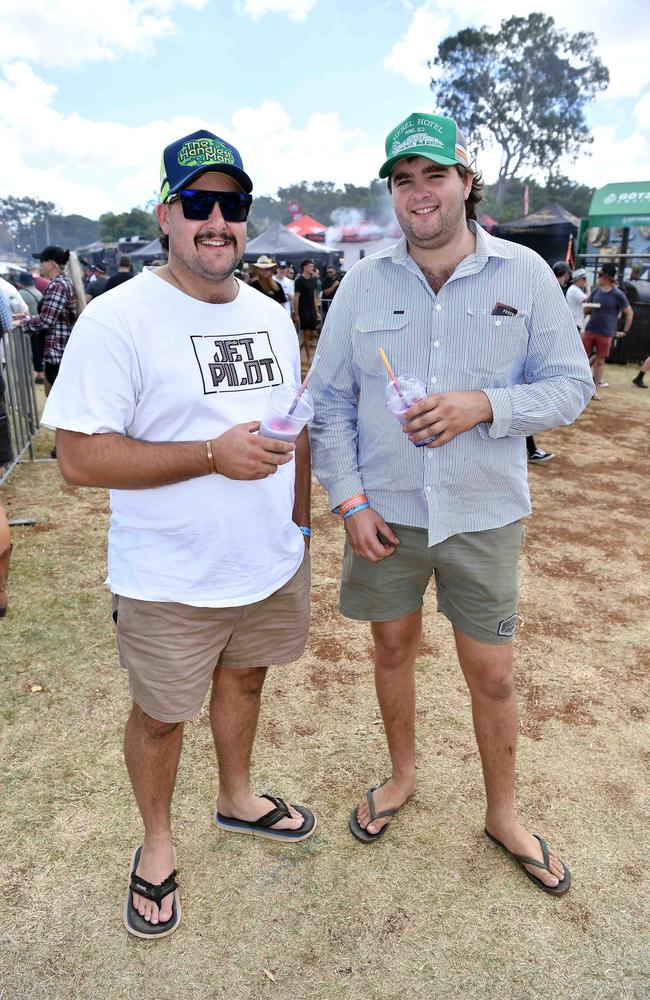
{"x":576,"y":296}
{"x":207,"y":559}
{"x":287,"y":283}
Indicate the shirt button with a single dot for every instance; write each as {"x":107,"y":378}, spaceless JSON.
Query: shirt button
{"x":436,"y":343}
{"x":433,"y":380}
{"x":430,"y":454}
{"x":428,"y":489}
{"x":438,"y":307}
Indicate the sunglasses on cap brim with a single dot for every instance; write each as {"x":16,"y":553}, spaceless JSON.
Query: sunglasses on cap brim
{"x":198,"y":205}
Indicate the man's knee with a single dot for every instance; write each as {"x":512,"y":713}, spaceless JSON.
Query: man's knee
{"x":494,"y":680}
{"x":154,"y":728}
{"x":248,"y":680}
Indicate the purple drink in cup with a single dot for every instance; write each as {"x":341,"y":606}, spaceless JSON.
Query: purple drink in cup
{"x":286,"y":414}
{"x":401,"y":395}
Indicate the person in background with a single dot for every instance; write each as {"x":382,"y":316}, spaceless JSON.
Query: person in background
{"x":287,"y":284}
{"x":331,"y":283}
{"x":264,"y":282}
{"x":638,"y":380}
{"x":6,"y":448}
{"x":6,"y":456}
{"x":576,"y":296}
{"x":562,"y":271}
{"x":602,"y":308}
{"x":31,"y":295}
{"x":124,"y":272}
{"x":62,"y":303}
{"x":306,"y":304}
{"x":40,"y":283}
{"x":97,"y":283}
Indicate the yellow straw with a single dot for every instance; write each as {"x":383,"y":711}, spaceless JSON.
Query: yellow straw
{"x":391,"y":373}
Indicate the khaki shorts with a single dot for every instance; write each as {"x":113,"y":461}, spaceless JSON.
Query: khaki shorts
{"x":476,"y":576}
{"x":170,"y":651}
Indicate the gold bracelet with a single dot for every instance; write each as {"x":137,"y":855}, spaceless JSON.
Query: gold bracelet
{"x":211,"y":462}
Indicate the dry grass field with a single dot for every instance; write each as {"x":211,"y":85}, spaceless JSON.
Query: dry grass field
{"x":433,"y":911}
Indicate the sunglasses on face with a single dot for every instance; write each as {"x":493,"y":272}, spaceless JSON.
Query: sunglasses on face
{"x":198,"y":205}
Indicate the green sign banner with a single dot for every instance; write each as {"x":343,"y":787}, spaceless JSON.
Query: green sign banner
{"x":621,"y":205}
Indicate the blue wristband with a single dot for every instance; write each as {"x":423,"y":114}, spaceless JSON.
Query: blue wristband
{"x":305,"y":530}
{"x":362,"y":506}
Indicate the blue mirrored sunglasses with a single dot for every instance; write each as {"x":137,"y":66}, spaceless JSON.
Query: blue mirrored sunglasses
{"x":198,"y":205}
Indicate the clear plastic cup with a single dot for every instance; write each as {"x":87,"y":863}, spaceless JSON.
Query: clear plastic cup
{"x":411,"y":390}
{"x":277,"y":422}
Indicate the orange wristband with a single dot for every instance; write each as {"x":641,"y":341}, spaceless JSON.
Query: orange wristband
{"x":351,"y":502}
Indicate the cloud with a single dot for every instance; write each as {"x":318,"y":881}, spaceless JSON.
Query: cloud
{"x":408,"y":57}
{"x":642,"y":113}
{"x":297,"y":10}
{"x":69,"y":33}
{"x":91,"y":167}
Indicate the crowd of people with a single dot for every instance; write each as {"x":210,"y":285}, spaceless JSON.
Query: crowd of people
{"x":210,"y":576}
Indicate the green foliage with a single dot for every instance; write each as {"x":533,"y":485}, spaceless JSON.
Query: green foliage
{"x":524,"y":87}
{"x":137,"y":222}
{"x":28,"y":224}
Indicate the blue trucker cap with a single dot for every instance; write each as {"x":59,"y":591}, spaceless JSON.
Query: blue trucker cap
{"x":187,"y":158}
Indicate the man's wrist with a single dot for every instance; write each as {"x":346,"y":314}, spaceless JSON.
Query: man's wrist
{"x":485,"y":405}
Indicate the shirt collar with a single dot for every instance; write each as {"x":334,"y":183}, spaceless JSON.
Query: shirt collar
{"x":486,"y":246}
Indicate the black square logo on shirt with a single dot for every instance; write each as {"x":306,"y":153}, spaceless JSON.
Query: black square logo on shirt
{"x":236,"y":362}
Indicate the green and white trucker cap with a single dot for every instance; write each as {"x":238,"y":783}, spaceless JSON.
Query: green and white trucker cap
{"x":433,"y":136}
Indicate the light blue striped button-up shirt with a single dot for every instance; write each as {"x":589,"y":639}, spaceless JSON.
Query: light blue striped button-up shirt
{"x":532,"y":367}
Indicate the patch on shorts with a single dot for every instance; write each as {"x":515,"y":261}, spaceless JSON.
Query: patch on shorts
{"x":507,"y":626}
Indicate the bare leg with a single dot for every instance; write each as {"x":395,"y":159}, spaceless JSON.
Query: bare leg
{"x":234,"y":712}
{"x":396,"y":649}
{"x":599,"y":365}
{"x":488,"y":672}
{"x":152,"y":750}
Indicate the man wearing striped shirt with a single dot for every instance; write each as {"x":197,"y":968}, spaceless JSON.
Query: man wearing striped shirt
{"x":484,"y":325}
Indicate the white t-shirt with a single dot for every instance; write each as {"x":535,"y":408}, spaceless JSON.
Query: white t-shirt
{"x":148,"y":361}
{"x":574,"y":299}
{"x":289,"y":291}
{"x":17,"y":303}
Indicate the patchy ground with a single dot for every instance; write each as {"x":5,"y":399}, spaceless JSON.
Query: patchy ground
{"x":434,"y":911}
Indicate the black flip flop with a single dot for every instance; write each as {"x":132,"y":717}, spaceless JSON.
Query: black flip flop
{"x":522,"y":859}
{"x":358,"y":831}
{"x":262,"y":827}
{"x":137,"y":925}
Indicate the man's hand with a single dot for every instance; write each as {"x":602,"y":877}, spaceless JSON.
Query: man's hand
{"x":447,"y":414}
{"x":241,"y":454}
{"x":362,"y":530}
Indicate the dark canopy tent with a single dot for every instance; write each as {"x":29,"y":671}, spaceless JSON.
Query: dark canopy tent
{"x":152,"y":251}
{"x":280,"y":243}
{"x":547,"y":232}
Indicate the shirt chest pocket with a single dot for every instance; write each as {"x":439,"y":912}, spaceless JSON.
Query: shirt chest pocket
{"x":494,"y":346}
{"x":375,"y":330}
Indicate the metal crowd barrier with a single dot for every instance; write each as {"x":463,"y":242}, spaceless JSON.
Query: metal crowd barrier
{"x":20,"y":397}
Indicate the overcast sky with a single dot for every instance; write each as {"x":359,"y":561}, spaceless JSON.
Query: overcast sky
{"x":306,"y":89}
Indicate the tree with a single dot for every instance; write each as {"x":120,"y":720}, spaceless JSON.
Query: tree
{"x":575,"y":197}
{"x":525,"y":86}
{"x":137,"y":222}
{"x":27,"y":220}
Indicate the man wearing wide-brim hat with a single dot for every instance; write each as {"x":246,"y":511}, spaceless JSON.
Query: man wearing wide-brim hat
{"x":264,"y":281}
{"x":442,"y":492}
